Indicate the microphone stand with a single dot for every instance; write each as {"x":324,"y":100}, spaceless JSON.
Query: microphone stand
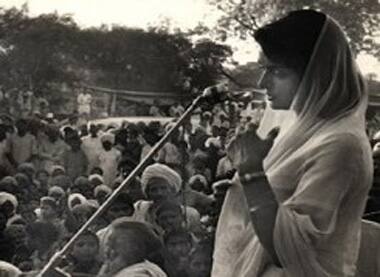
{"x":59,"y":255}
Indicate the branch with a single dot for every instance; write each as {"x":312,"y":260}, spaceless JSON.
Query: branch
{"x":250,"y":28}
{"x":229,"y":77}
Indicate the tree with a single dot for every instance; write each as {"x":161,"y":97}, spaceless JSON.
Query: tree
{"x":41,"y":53}
{"x":36,"y":49}
{"x":359,"y":19}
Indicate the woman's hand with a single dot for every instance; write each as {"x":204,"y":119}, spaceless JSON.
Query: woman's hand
{"x":247,"y":150}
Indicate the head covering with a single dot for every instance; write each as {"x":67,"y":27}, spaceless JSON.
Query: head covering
{"x":50,"y":201}
{"x":7,"y":183}
{"x":56,"y":169}
{"x":198,"y":178}
{"x":82,"y":182}
{"x":331,"y":100}
{"x":216,"y":142}
{"x":15,"y":221}
{"x":107,"y":137}
{"x":9,"y":270}
{"x":93,"y":177}
{"x":75,"y":196}
{"x":55,"y":190}
{"x":83,"y":208}
{"x":102,"y":188}
{"x":328,"y":92}
{"x":5,"y":196}
{"x":162,"y":171}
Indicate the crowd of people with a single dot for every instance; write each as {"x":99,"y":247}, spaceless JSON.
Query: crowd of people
{"x":53,"y":178}
{"x":219,"y":198}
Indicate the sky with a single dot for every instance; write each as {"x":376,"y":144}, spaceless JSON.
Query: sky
{"x":142,"y":13}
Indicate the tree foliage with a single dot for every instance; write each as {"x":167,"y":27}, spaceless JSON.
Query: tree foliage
{"x":359,"y":18}
{"x":38,"y":51}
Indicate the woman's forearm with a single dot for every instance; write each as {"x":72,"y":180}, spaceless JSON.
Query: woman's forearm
{"x":263,"y":208}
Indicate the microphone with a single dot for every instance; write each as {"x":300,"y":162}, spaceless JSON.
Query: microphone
{"x":220,"y":93}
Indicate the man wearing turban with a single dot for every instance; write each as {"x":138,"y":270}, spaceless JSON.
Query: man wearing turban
{"x":159,"y":183}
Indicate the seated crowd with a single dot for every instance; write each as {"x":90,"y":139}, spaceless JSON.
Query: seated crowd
{"x":53,"y":179}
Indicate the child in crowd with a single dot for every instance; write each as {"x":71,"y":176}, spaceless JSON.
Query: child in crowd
{"x":83,"y":258}
{"x":177,"y":246}
{"x":138,"y":258}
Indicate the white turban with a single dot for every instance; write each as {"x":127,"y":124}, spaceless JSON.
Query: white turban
{"x":96,"y":177}
{"x":103,"y":188}
{"x":75,"y":196}
{"x":162,"y":171}
{"x":108,"y":137}
{"x":5,"y":196}
{"x":9,"y":270}
{"x":199,"y":178}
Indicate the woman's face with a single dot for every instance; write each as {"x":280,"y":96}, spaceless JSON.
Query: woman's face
{"x":280,"y":83}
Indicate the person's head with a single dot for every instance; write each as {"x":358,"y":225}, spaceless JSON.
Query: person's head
{"x":75,"y":199}
{"x":287,"y":46}
{"x":199,"y":162}
{"x":42,"y":176}
{"x":28,"y":169}
{"x":95,"y":180}
{"x":41,"y":235}
{"x":28,"y":214}
{"x":16,"y":233}
{"x":93,"y":129}
{"x":57,"y":193}
{"x":160,"y":182}
{"x":198,"y":182}
{"x":178,"y":243}
{"x":130,"y":243}
{"x":101,"y":193}
{"x":86,"y":247}
{"x":122,"y":206}
{"x":169,"y":216}
{"x":9,"y":184}
{"x":22,"y":127}
{"x":49,"y":208}
{"x":107,"y":141}
{"x":57,"y":170}
{"x":200,"y":261}
{"x":52,"y":133}
{"x":75,"y":143}
{"x":82,"y":212}
{"x":8,"y":204}
{"x":83,"y":130}
{"x":96,"y":170}
{"x":82,"y":185}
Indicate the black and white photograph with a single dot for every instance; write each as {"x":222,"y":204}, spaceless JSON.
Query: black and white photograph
{"x":189,"y":138}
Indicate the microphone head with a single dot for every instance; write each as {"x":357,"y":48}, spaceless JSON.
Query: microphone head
{"x":216,"y":94}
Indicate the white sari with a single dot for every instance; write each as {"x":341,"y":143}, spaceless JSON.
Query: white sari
{"x":320,"y":170}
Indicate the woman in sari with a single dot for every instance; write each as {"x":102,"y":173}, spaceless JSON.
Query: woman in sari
{"x":295,"y":205}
